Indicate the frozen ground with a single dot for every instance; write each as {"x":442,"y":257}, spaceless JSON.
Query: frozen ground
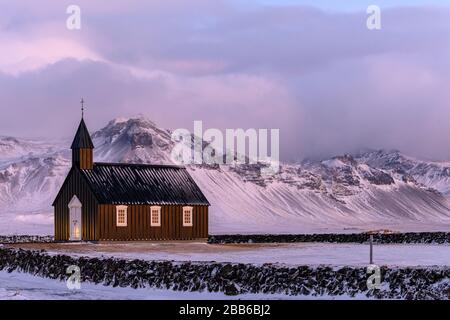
{"x":29,"y":223}
{"x":290,"y":254}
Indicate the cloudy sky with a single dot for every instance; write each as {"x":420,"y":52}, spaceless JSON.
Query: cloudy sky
{"x":310,"y":68}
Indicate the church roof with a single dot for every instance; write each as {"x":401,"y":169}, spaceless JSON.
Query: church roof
{"x":143,"y":184}
{"x":82,"y":138}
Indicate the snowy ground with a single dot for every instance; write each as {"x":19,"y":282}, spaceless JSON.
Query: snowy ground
{"x":290,"y":254}
{"x":41,"y":223}
{"x":27,"y":223}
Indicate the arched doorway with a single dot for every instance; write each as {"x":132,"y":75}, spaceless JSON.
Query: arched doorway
{"x":75,"y":219}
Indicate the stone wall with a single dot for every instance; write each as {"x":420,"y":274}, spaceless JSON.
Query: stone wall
{"x":234,"y":279}
{"x":411,"y":237}
{"x":25,"y":239}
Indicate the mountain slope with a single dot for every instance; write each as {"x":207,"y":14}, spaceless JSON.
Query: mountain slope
{"x":135,"y":140}
{"x":13,"y":148}
{"x":435,"y":175}
{"x":377,"y":189}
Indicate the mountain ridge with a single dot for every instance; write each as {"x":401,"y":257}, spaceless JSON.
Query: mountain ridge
{"x":376,"y":189}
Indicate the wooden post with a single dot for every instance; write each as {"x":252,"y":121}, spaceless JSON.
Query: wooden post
{"x":371,"y":249}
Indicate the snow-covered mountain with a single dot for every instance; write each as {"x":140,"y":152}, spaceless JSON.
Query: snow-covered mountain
{"x":435,"y":175}
{"x":375,"y":189}
{"x":135,"y":140}
{"x":13,"y":148}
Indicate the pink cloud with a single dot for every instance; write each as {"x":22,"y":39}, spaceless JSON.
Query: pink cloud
{"x":327,"y":82}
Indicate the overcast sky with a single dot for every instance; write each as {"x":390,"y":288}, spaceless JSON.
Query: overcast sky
{"x":310,"y":68}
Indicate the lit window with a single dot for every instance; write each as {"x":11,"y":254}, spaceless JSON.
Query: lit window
{"x":155,"y":217}
{"x":76,"y":230}
{"x":187,"y":216}
{"x":121,"y":216}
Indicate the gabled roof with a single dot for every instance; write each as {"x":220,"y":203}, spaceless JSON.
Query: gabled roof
{"x":82,"y":138}
{"x":143,"y":184}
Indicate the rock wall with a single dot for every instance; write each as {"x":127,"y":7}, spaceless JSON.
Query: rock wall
{"x":412,"y":237}
{"x":234,"y":279}
{"x":25,"y":239}
{"x":386,"y":238}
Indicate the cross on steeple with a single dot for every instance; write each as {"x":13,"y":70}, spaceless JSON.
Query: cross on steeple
{"x":82,"y":107}
{"x":82,"y":146}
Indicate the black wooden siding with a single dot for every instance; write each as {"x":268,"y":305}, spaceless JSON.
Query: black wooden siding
{"x":75,"y":184}
{"x":100,"y":187}
{"x":139,"y":187}
{"x":82,"y":158}
{"x":99,"y":220}
{"x":138,"y":224}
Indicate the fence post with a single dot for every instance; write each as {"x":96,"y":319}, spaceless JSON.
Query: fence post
{"x":371,"y":249}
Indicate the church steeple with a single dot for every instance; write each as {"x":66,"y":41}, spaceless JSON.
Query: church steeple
{"x":82,"y":146}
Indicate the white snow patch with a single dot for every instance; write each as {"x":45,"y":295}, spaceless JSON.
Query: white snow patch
{"x":287,"y":254}
{"x":40,"y":219}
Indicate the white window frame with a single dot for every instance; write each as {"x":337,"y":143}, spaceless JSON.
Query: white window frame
{"x":152,"y":224}
{"x":191,"y":210}
{"x":118,"y":209}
